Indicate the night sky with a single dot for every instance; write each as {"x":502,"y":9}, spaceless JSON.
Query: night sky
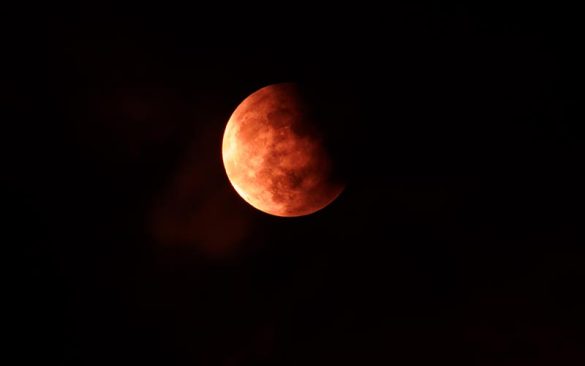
{"x":454,"y":242}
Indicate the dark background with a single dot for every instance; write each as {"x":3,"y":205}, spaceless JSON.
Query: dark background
{"x":454,"y":242}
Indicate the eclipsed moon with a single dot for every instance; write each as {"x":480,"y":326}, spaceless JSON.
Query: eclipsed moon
{"x":274,"y":155}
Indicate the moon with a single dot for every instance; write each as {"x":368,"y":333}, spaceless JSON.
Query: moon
{"x":274,"y":154}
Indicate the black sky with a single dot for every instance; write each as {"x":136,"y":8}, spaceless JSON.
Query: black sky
{"x":454,"y":242}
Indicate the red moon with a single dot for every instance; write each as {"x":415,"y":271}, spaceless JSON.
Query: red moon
{"x":274,"y":156}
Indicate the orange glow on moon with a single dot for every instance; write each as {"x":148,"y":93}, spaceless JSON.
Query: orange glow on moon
{"x":274,"y":157}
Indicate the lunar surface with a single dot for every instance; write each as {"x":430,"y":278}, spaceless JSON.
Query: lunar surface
{"x":274,"y":156}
